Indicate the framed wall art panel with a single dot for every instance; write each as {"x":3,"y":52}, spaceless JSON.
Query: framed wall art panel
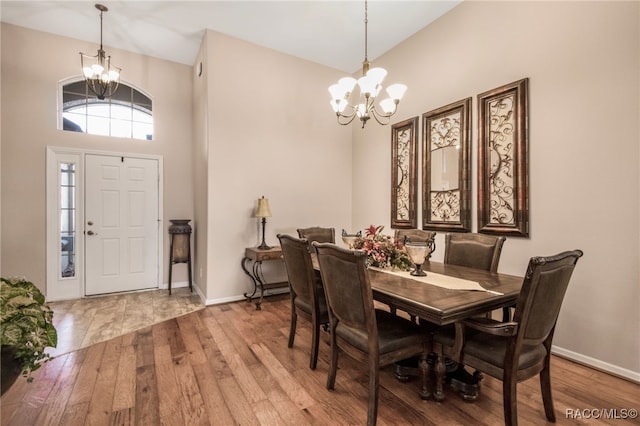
{"x":404,"y":178}
{"x":503,"y":160}
{"x":446,"y":200}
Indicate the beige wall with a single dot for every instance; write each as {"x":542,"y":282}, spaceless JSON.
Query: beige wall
{"x":269,"y":132}
{"x":200,"y":169}
{"x":582,"y":59}
{"x":29,"y":124}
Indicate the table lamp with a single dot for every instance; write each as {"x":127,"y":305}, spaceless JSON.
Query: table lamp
{"x":263,"y":211}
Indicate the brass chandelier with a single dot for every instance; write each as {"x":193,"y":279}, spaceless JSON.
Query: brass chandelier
{"x":101,"y":76}
{"x":370,"y":85}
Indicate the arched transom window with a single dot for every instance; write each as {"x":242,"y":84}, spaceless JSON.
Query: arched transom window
{"x":127,"y":114}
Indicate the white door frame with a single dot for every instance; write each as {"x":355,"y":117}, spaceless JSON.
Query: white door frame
{"x":58,"y":288}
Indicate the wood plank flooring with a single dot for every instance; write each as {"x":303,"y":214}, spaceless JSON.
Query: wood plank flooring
{"x":230,"y":365}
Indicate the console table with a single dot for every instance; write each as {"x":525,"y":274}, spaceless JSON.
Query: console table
{"x":257,"y":256}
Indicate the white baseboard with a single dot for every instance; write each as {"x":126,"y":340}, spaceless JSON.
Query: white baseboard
{"x":220,"y":301}
{"x":178,"y":284}
{"x":633,"y":376}
{"x":200,"y":294}
{"x":223,"y":300}
{"x":238,"y":298}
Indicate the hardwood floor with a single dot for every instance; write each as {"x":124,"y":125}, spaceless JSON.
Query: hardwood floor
{"x":229,"y":364}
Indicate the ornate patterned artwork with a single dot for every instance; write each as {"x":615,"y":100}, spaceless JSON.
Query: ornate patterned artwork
{"x":445,"y":205}
{"x":446,"y":167}
{"x":502,"y":161}
{"x":501,"y":153}
{"x":403,"y":174}
{"x":402,"y":184}
{"x":445,"y":195}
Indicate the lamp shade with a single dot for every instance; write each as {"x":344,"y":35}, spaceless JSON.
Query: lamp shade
{"x":388,"y":106}
{"x":377,"y":75}
{"x":338,"y":105}
{"x":347,"y":84}
{"x":263,"y":209}
{"x":367,"y":85}
{"x":396,"y":91}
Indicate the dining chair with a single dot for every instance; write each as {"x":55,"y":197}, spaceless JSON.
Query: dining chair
{"x":473,"y":250}
{"x":516,"y":350}
{"x":305,"y":290}
{"x":318,"y":233}
{"x":366,"y":334}
{"x":477,"y":251}
{"x":413,"y":235}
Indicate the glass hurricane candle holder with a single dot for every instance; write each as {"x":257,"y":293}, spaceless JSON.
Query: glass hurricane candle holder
{"x":418,"y":253}
{"x":350,"y":239}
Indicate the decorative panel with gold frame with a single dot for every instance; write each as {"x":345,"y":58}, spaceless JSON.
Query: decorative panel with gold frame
{"x":503,"y":177}
{"x":404,"y":178}
{"x":446,"y":201}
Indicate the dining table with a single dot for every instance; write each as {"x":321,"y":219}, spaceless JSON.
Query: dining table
{"x":448,"y":294}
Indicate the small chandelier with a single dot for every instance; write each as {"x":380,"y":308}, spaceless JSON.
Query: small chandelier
{"x":370,"y":85}
{"x":102,"y":78}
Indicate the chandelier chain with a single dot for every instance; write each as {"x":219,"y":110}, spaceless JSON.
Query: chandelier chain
{"x":366,"y":22}
{"x":101,"y":11}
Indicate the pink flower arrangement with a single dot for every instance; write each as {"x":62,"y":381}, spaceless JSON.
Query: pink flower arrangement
{"x":382,"y":251}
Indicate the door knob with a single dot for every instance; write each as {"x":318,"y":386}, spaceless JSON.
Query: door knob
{"x":91,"y":233}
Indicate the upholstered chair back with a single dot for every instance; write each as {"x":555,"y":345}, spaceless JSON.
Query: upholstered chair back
{"x":319,"y":234}
{"x":542,"y":293}
{"x":299,"y":268}
{"x":346,"y":286}
{"x":414,"y":235}
{"x":473,"y":250}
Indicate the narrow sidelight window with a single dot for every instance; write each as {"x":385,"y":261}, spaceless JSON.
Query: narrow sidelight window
{"x":67,"y":219}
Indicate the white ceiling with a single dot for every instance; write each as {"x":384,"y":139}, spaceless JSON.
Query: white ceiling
{"x":326,"y":32}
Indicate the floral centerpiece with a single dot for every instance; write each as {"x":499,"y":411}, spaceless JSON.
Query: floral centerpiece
{"x":382,"y":251}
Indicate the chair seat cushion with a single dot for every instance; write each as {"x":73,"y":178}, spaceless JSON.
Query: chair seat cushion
{"x":489,"y":348}
{"x":393,"y":333}
{"x":305,"y":306}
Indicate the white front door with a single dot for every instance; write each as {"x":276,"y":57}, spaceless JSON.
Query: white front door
{"x":121,"y":228}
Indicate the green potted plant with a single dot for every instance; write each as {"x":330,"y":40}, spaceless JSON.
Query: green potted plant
{"x":26,"y":329}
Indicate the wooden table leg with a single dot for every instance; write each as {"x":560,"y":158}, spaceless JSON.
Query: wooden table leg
{"x":249,"y":297}
{"x":440,"y":370}
{"x":257,"y":272}
{"x":424,"y":369}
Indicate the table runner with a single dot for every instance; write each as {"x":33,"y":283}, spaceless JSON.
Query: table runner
{"x":444,"y":281}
